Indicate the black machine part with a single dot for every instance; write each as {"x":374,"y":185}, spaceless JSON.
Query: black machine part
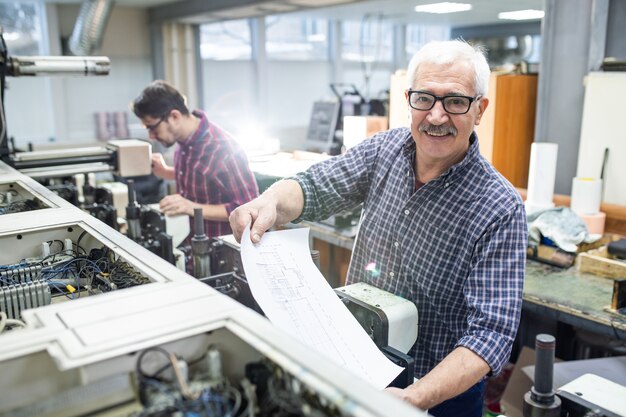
{"x":200,"y":246}
{"x":406,"y":377}
{"x":147,"y":227}
{"x":105,"y":213}
{"x":541,"y":400}
{"x":617,"y":248}
{"x":66,"y":191}
{"x":153,"y":234}
{"x":372,"y":319}
{"x":234,"y":286}
{"x":100,"y":204}
{"x":133,"y":218}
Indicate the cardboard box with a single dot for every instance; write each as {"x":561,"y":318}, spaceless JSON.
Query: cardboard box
{"x":519,"y":384}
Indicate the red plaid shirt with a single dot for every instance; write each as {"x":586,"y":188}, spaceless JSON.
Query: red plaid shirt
{"x":211,"y":168}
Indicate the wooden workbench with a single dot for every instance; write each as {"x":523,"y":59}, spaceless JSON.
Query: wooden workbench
{"x":576,"y":298}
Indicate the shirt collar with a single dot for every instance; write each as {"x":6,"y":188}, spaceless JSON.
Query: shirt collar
{"x":470,"y":156}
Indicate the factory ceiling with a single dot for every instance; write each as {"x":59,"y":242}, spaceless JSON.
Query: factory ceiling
{"x":483,"y":12}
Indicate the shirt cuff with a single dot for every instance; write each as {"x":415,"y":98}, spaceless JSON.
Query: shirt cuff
{"x":492,"y":347}
{"x":302,"y":179}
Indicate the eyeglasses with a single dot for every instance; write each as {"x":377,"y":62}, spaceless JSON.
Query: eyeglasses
{"x":453,"y":104}
{"x":153,"y":127}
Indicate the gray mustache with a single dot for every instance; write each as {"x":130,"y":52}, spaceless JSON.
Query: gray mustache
{"x":437,"y":130}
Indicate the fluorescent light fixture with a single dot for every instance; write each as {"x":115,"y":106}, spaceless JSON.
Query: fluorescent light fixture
{"x":521,"y":15}
{"x":445,"y":7}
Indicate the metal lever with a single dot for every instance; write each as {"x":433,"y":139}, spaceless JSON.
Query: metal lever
{"x":541,"y":400}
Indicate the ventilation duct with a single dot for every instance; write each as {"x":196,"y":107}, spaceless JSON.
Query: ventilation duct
{"x":90,"y":25}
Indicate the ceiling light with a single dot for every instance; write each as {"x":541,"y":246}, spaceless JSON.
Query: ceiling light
{"x":445,"y":7}
{"x":521,"y":15}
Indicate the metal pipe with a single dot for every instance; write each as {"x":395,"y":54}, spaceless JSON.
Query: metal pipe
{"x":61,"y":65}
{"x":90,"y":25}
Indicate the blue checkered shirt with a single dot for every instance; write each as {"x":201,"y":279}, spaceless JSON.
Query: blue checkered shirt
{"x":455,"y":247}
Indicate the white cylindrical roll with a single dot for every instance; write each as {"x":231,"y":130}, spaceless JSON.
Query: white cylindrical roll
{"x":541,"y":176}
{"x":586,"y":195}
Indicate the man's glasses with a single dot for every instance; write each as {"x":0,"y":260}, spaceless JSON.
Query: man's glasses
{"x":153,"y":127}
{"x":453,"y":104}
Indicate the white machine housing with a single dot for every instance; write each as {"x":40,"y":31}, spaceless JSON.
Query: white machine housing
{"x":596,"y":394}
{"x":400,"y":314}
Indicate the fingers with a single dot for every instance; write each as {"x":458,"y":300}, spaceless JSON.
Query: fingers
{"x":156,"y":158}
{"x":239,"y":219}
{"x":172,"y":204}
{"x":259,"y":213}
{"x":263,"y":223}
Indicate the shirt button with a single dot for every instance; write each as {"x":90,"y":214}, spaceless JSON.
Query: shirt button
{"x":407,"y":212}
{"x":180,"y":172}
{"x":391,"y":274}
{"x":396,"y":244}
{"x":446,"y":185}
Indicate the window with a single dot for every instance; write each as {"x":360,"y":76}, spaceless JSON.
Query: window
{"x":226,"y":41}
{"x":294,"y":38}
{"x":369,"y":40}
{"x":21,"y":27}
{"x":419,"y":35}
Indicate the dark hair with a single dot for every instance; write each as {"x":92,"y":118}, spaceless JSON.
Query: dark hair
{"x":158,"y":99}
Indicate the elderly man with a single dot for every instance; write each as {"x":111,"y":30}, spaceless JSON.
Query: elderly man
{"x":441,"y":226}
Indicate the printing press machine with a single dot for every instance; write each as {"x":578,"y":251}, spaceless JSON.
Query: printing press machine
{"x":109,"y":328}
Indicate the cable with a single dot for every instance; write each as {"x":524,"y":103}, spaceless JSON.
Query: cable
{"x":6,"y":321}
{"x":60,"y":242}
{"x":138,"y":368}
{"x":79,"y":239}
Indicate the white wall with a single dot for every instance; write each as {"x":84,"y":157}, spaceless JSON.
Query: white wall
{"x":60,"y":108}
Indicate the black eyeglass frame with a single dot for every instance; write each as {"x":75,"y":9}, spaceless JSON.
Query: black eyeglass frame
{"x":152,"y":128}
{"x":442,"y":99}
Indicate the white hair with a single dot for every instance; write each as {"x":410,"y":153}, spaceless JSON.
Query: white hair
{"x":448,"y":52}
